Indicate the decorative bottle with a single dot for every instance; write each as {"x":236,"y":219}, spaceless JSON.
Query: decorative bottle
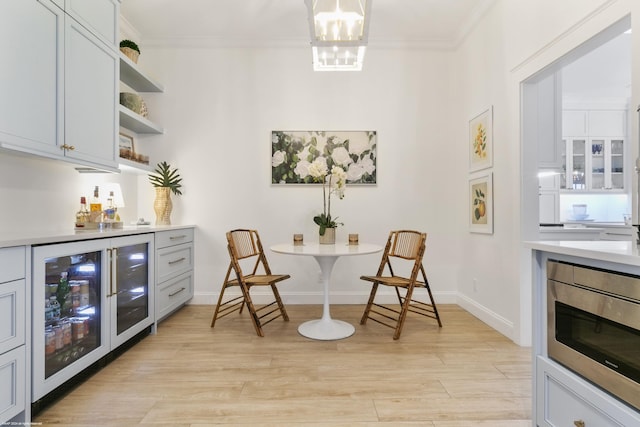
{"x":110,"y":211}
{"x":82,"y":216}
{"x":96,"y":206}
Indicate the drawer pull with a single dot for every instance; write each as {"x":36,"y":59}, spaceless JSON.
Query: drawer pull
{"x":578,"y":423}
{"x":176,"y":261}
{"x":181,"y":236}
{"x":182,"y":289}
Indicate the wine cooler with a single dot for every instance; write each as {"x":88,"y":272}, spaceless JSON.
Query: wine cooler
{"x":89,"y":297}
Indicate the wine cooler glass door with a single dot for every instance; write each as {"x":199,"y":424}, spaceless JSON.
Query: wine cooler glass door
{"x":68,"y":312}
{"x":131,"y":288}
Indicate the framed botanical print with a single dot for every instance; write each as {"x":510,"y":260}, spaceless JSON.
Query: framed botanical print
{"x":481,"y":203}
{"x":481,"y":141}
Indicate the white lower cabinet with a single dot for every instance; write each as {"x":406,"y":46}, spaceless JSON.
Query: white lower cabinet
{"x":566,"y":400}
{"x":174,"y":270}
{"x":12,"y":384}
{"x":13,"y":320}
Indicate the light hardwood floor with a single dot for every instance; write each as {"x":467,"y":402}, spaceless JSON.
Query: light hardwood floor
{"x":188,"y":374}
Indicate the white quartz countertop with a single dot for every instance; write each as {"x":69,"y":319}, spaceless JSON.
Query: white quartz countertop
{"x":623,"y":252}
{"x":39,"y":237}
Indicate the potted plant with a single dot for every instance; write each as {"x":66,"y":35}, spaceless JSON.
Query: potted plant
{"x":336,"y":181}
{"x":166,"y":181}
{"x":130,"y":49}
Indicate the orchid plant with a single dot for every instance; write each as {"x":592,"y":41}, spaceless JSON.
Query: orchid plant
{"x":336,"y":181}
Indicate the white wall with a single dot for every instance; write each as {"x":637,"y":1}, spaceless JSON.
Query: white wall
{"x":219,"y":108}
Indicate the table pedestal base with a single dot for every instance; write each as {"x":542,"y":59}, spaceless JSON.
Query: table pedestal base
{"x":326,"y":329}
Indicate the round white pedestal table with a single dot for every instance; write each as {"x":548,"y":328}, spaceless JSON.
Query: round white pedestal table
{"x":326,"y":256}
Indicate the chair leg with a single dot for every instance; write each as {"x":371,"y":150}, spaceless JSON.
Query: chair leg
{"x":215,"y":313}
{"x":433,"y":303}
{"x":403,"y":312}
{"x":276,"y":294}
{"x":252,"y":310}
{"x":367,"y":310}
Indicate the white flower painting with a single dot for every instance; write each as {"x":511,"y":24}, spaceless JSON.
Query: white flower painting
{"x":295,"y":155}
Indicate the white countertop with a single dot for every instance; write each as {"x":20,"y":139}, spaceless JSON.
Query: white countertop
{"x":39,"y":237}
{"x":622,"y":252}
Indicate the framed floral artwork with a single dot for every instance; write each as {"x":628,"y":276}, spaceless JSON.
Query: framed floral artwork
{"x":292,"y":152}
{"x":481,"y":141}
{"x":481,"y":203}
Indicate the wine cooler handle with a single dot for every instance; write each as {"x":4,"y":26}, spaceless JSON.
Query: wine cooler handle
{"x":113,"y":258}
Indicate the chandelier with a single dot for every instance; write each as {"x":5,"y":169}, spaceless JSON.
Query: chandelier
{"x":339,"y":33}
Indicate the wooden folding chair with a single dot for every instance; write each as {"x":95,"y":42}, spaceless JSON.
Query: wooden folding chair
{"x":245,"y":249}
{"x":405,"y":247}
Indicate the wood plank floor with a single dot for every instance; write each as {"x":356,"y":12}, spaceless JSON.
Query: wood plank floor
{"x":188,"y":374}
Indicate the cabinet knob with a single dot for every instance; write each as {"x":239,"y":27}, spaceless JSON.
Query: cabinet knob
{"x":578,"y":423}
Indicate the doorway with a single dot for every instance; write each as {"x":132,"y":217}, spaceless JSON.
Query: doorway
{"x":591,"y":80}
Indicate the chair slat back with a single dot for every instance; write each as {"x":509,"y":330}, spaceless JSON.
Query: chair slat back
{"x":243,"y":243}
{"x":407,"y":244}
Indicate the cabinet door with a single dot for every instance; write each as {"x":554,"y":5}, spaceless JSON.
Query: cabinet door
{"x":607,"y":123}
{"x":132,"y":290}
{"x":599,"y":164}
{"x":549,"y":210}
{"x":31,"y":77}
{"x":574,"y":123}
{"x":91,"y":73}
{"x":578,"y":163}
{"x":616,"y":156}
{"x":98,"y":16}
{"x":549,"y":122}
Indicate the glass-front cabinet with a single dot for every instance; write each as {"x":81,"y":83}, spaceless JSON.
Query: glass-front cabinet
{"x":592,"y":164}
{"x":88,"y":298}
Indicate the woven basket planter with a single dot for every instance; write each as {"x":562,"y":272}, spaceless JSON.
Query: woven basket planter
{"x":130,"y":53}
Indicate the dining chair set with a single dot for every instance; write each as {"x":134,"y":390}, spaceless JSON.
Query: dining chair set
{"x":401,"y":268}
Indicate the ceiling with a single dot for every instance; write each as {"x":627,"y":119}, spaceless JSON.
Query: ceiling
{"x":421,"y":23}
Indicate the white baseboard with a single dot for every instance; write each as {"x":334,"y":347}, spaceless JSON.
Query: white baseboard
{"x":497,"y":322}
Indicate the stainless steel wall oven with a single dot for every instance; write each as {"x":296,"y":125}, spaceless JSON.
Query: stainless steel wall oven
{"x":594,"y":326}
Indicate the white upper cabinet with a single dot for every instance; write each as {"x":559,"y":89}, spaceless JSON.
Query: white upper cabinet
{"x":91,"y":84}
{"x":549,"y":109}
{"x":98,"y":17}
{"x":31,"y":113}
{"x":608,"y":123}
{"x":574,"y":123}
{"x":594,"y":153}
{"x":59,"y":92}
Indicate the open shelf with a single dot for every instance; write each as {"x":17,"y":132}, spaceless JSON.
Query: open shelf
{"x":133,"y":77}
{"x":137,"y":123}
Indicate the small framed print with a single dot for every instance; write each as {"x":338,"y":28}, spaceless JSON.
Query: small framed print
{"x":481,"y":203}
{"x":481,"y":141}
{"x":127,"y":150}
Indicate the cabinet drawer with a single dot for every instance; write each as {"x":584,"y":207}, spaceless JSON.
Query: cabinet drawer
{"x":173,"y":260}
{"x":12,"y":314}
{"x":12,"y":263}
{"x":12,"y":383}
{"x":174,"y":237}
{"x":564,"y":408}
{"x":173,"y":294}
